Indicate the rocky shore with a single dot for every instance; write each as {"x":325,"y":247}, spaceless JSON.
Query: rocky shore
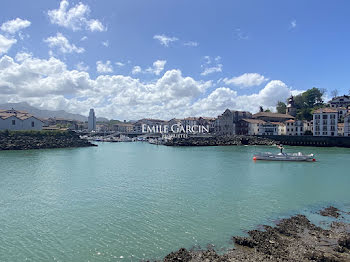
{"x":294,"y":239}
{"x":22,"y":140}
{"x":221,"y":141}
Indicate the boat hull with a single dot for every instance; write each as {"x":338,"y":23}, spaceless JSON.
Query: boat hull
{"x":284,"y":157}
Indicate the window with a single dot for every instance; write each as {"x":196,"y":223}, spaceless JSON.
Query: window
{"x":32,"y":123}
{"x":324,"y":117}
{"x":13,"y":122}
{"x":332,"y":116}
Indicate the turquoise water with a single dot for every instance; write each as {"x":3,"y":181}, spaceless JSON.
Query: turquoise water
{"x":132,"y":201}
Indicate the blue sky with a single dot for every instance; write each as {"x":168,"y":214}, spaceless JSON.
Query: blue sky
{"x":170,"y":58}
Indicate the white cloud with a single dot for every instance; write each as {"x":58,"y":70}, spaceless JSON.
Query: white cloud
{"x":105,"y":43}
{"x":47,"y":83}
{"x":211,"y":70}
{"x":95,"y":25}
{"x":221,"y":98}
{"x":6,"y":44}
{"x":293,"y":24}
{"x":15,"y":25}
{"x":81,"y":66}
{"x":165,"y":40}
{"x":62,"y":44}
{"x":104,"y":67}
{"x":240,"y":35}
{"x":136,"y":70}
{"x":191,"y":44}
{"x":246,"y":80}
{"x":158,"y":67}
{"x":211,"y":65}
{"x":75,"y":18}
{"x":120,"y":64}
{"x":84,"y":38}
{"x":21,"y":56}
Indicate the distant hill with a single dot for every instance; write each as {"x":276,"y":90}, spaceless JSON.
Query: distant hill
{"x":41,"y":113}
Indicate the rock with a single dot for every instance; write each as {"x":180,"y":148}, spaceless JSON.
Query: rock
{"x":245,"y":241}
{"x":181,"y":255}
{"x":22,"y":140}
{"x":220,"y":141}
{"x":330,"y":212}
{"x":345,"y":241}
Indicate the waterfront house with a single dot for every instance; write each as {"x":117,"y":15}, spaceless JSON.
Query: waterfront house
{"x":123,"y":127}
{"x":347,"y":125}
{"x":296,"y":127}
{"x":190,"y":121}
{"x":340,"y":101}
{"x":325,"y":122}
{"x":269,"y":129}
{"x":19,"y":120}
{"x":227,"y":121}
{"x":342,"y":111}
{"x":248,"y":126}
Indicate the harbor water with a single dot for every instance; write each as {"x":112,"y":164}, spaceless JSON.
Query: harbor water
{"x":135,"y":201}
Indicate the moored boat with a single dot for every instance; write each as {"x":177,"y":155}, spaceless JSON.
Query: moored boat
{"x":284,"y":157}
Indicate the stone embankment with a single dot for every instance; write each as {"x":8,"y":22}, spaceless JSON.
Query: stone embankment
{"x":293,"y":239}
{"x":22,"y":140}
{"x":221,"y":141}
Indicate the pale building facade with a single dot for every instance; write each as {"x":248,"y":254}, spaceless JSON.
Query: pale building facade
{"x":347,"y":125}
{"x":296,"y":127}
{"x":325,"y":122}
{"x":226,"y":123}
{"x":340,"y":101}
{"x":19,"y":120}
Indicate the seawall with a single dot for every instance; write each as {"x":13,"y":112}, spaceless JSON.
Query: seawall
{"x":221,"y":141}
{"x":318,"y":141}
{"x":262,"y":140}
{"x":22,"y":140}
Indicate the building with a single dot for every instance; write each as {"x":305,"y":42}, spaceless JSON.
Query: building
{"x":248,"y":126}
{"x":342,"y":111}
{"x":190,"y":121}
{"x":347,"y":125}
{"x":340,"y":101}
{"x":92,"y":121}
{"x":296,"y":127}
{"x":269,"y":129}
{"x":325,"y":122}
{"x":291,"y":109}
{"x":226,"y":123}
{"x":19,"y":120}
{"x":123,"y":127}
{"x":272,"y":117}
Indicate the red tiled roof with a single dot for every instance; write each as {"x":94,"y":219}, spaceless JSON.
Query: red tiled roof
{"x":271,"y":114}
{"x":325,"y":110}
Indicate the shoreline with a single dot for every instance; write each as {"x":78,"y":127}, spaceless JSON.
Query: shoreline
{"x":237,"y":140}
{"x":291,"y":239}
{"x":27,"y":140}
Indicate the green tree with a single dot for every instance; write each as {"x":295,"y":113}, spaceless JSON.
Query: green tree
{"x":308,"y":101}
{"x":281,"y":107}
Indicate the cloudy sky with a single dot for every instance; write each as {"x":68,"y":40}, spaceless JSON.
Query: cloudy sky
{"x":164,"y":59}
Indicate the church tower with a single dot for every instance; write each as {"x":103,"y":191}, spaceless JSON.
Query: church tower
{"x":291,"y":109}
